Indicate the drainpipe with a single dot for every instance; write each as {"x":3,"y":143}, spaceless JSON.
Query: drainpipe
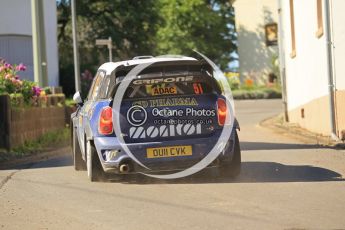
{"x":282,"y":60}
{"x":331,"y":86}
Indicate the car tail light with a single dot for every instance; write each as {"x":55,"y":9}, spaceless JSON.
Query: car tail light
{"x":221,"y":111}
{"x":105,"y":126}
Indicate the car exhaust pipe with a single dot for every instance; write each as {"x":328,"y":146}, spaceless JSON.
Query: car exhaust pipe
{"x":124,"y":168}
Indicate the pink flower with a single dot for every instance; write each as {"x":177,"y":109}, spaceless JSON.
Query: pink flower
{"x":2,"y":68}
{"x":36,"y":90}
{"x":8,"y":76}
{"x":18,"y":82}
{"x":8,"y":66}
{"x":21,"y":67}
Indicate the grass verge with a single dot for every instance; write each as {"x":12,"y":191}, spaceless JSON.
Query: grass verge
{"x":260,"y":93}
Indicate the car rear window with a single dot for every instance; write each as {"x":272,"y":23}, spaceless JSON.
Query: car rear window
{"x":177,"y":85}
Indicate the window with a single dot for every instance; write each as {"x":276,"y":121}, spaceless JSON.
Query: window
{"x":319,"y":31}
{"x":174,"y":89}
{"x":292,"y":23}
{"x":96,"y":86}
{"x":271,"y":34}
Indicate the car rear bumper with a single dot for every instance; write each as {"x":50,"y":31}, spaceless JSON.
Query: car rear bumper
{"x":112,"y":154}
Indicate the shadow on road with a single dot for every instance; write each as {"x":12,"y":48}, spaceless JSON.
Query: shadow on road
{"x":60,"y":161}
{"x":275,"y":172}
{"x":245,"y":145}
{"x":252,"y":172}
{"x":66,"y":160}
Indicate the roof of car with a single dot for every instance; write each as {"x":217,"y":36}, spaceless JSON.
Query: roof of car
{"x":109,"y":67}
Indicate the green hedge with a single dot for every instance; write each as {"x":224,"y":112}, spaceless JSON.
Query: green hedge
{"x":266,"y":93}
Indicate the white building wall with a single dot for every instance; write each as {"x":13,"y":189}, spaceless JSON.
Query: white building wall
{"x":251,"y":17}
{"x":50,"y":26}
{"x":306,"y":73}
{"x":15,"y":15}
{"x":15,"y":18}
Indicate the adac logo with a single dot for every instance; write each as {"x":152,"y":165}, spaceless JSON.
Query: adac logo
{"x":136,"y":115}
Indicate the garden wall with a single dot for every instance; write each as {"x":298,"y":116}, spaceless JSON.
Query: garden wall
{"x":18,"y":125}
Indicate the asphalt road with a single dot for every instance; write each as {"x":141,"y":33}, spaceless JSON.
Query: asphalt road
{"x":284,"y":184}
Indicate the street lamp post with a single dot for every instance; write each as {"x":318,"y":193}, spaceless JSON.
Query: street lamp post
{"x":39,"y":43}
{"x":75,"y":48}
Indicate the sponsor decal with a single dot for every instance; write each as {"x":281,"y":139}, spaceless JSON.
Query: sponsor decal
{"x":162,"y":80}
{"x":166,"y":102}
{"x":163,"y":90}
{"x":164,"y":131}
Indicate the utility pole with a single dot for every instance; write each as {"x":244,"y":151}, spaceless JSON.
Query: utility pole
{"x":75,"y":47}
{"x":39,"y":43}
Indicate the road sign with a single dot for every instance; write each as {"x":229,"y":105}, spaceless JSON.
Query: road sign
{"x":102,"y":42}
{"x":106,"y":42}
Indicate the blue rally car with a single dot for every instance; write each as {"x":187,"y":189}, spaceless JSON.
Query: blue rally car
{"x":171,"y":116}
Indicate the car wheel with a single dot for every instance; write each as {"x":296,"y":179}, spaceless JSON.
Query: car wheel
{"x":94,"y":168}
{"x":232,"y":169}
{"x":78,"y":161}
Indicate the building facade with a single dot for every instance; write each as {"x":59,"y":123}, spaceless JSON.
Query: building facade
{"x":312,"y":55}
{"x":256,"y":26}
{"x":16,"y":36}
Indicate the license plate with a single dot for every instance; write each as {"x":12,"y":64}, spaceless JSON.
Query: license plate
{"x":171,"y":151}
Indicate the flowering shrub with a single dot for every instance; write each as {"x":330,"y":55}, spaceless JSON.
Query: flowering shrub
{"x":233,"y":79}
{"x":249,"y":83}
{"x":11,"y":84}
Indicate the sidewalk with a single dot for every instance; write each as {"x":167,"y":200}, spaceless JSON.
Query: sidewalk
{"x":278,"y":125}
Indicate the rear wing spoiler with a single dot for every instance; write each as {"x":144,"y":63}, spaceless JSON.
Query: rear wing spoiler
{"x":161,"y":70}
{"x":168,"y":67}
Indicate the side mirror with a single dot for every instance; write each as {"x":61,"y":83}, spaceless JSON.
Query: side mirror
{"x":77,"y":98}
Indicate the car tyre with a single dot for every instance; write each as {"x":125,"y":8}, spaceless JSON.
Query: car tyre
{"x":94,"y":168}
{"x":232,"y":169}
{"x":78,"y":162}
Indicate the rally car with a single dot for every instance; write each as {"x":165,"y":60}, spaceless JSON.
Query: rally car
{"x":171,"y":116}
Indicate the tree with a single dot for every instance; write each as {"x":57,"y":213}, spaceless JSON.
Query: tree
{"x":206,"y":26}
{"x":144,"y":27}
{"x":131,"y":24}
